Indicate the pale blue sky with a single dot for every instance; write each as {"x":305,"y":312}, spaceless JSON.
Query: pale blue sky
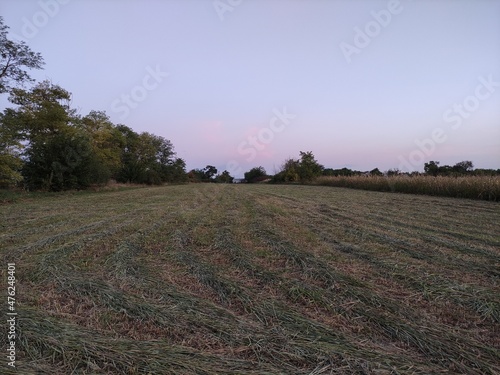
{"x":230,"y":71}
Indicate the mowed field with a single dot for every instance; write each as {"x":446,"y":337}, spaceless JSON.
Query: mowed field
{"x":253,"y":279}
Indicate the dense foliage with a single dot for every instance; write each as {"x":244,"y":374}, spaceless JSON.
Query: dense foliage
{"x":15,"y":57}
{"x":304,"y":169}
{"x":256,"y":174}
{"x":46,"y":145}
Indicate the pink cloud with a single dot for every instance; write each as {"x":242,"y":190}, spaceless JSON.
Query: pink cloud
{"x":212,"y":132}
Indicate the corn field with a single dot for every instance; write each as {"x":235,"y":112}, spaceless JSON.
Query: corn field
{"x":471,"y":187}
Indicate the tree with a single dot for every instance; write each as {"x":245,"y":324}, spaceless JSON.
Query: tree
{"x":463,"y":167}
{"x":175,"y":171}
{"x":340,"y":172}
{"x":61,"y":162}
{"x":42,"y":111}
{"x":376,"y":172}
{"x":57,"y":155}
{"x":309,"y":168}
{"x":14,"y":59}
{"x":107,"y":144}
{"x":148,"y":159}
{"x":255,"y":174}
{"x":130,"y":170}
{"x":432,"y":168}
{"x":209,"y":172}
{"x":394,"y":172}
{"x":196,"y":175}
{"x":328,"y":172}
{"x":225,"y":178}
{"x":289,"y":171}
{"x":10,"y":150}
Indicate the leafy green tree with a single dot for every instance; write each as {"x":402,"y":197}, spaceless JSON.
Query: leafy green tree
{"x":445,"y":170}
{"x":10,"y":150}
{"x":196,"y":175}
{"x":15,"y":57}
{"x":61,"y":162}
{"x":107,"y":144}
{"x":225,"y":178}
{"x":175,"y":171}
{"x":148,"y":159}
{"x":309,"y":168}
{"x":463,"y":167}
{"x":328,"y":172}
{"x":10,"y":168}
{"x":42,"y":111}
{"x":431,"y":168}
{"x":153,"y":153}
{"x":376,"y":172}
{"x":394,"y":172}
{"x":255,"y":174}
{"x":57,"y":155}
{"x":130,"y":170}
{"x":289,"y":172}
{"x":209,"y":173}
{"x":346,"y":172}
{"x":158,"y":157}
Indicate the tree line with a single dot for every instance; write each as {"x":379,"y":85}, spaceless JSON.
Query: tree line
{"x":46,"y":145}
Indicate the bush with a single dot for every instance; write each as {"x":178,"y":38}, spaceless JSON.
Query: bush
{"x":255,"y":174}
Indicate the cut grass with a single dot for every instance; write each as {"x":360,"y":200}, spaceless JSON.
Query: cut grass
{"x":224,"y":279}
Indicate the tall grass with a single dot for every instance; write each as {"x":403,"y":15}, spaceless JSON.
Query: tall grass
{"x":471,"y":187}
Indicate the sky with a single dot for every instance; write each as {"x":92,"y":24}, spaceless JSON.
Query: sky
{"x":245,"y":83}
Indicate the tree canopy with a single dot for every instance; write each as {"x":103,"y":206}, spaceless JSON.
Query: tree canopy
{"x":15,"y":59}
{"x":255,"y":174}
{"x":46,"y":145}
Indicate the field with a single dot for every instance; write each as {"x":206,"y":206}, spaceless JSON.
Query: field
{"x":471,"y":187}
{"x":253,"y":279}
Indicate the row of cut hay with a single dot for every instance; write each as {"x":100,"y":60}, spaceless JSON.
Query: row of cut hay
{"x":441,"y":347}
{"x":67,"y":348}
{"x":471,"y":187}
{"x":178,"y":314}
{"x":72,"y":349}
{"x":480,"y":300}
{"x":387,"y":317}
{"x":282,"y":348}
{"x":182,"y":310}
